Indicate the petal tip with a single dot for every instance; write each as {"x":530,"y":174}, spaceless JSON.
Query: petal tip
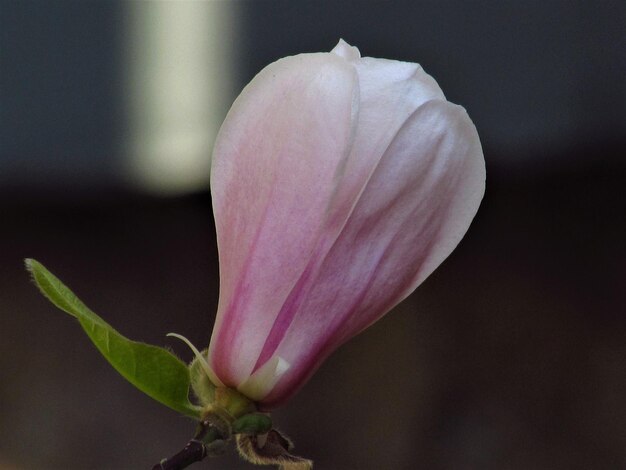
{"x":346,"y":51}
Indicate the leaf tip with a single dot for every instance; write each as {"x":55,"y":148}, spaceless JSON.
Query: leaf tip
{"x":30,"y":264}
{"x":35,"y":269}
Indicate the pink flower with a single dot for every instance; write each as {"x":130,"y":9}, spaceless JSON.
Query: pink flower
{"x":339,"y":184}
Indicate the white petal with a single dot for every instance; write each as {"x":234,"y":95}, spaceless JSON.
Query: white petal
{"x":261,"y":383}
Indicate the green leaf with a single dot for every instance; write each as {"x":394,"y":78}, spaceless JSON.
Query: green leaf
{"x":153,"y":370}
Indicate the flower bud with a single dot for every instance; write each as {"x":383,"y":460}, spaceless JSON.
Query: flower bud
{"x":339,"y":184}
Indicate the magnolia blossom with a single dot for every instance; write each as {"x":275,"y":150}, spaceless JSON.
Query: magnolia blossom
{"x":339,"y":184}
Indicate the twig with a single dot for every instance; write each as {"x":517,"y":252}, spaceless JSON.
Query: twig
{"x":194,"y":451}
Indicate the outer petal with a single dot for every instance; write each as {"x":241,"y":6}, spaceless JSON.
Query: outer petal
{"x":276,"y":164}
{"x":415,"y":209}
{"x":390,"y":91}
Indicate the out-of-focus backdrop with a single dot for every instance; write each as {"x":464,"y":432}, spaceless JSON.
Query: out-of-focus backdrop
{"x":512,"y":355}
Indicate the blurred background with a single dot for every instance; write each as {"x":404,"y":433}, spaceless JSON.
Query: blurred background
{"x":512,"y":355}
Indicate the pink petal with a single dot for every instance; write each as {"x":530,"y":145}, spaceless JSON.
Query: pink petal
{"x":276,"y":164}
{"x":390,"y":91}
{"x":415,"y":209}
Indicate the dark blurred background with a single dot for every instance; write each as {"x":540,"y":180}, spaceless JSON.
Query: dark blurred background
{"x":512,"y":355}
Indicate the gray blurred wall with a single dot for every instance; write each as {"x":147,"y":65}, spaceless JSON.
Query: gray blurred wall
{"x":510,"y":356}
